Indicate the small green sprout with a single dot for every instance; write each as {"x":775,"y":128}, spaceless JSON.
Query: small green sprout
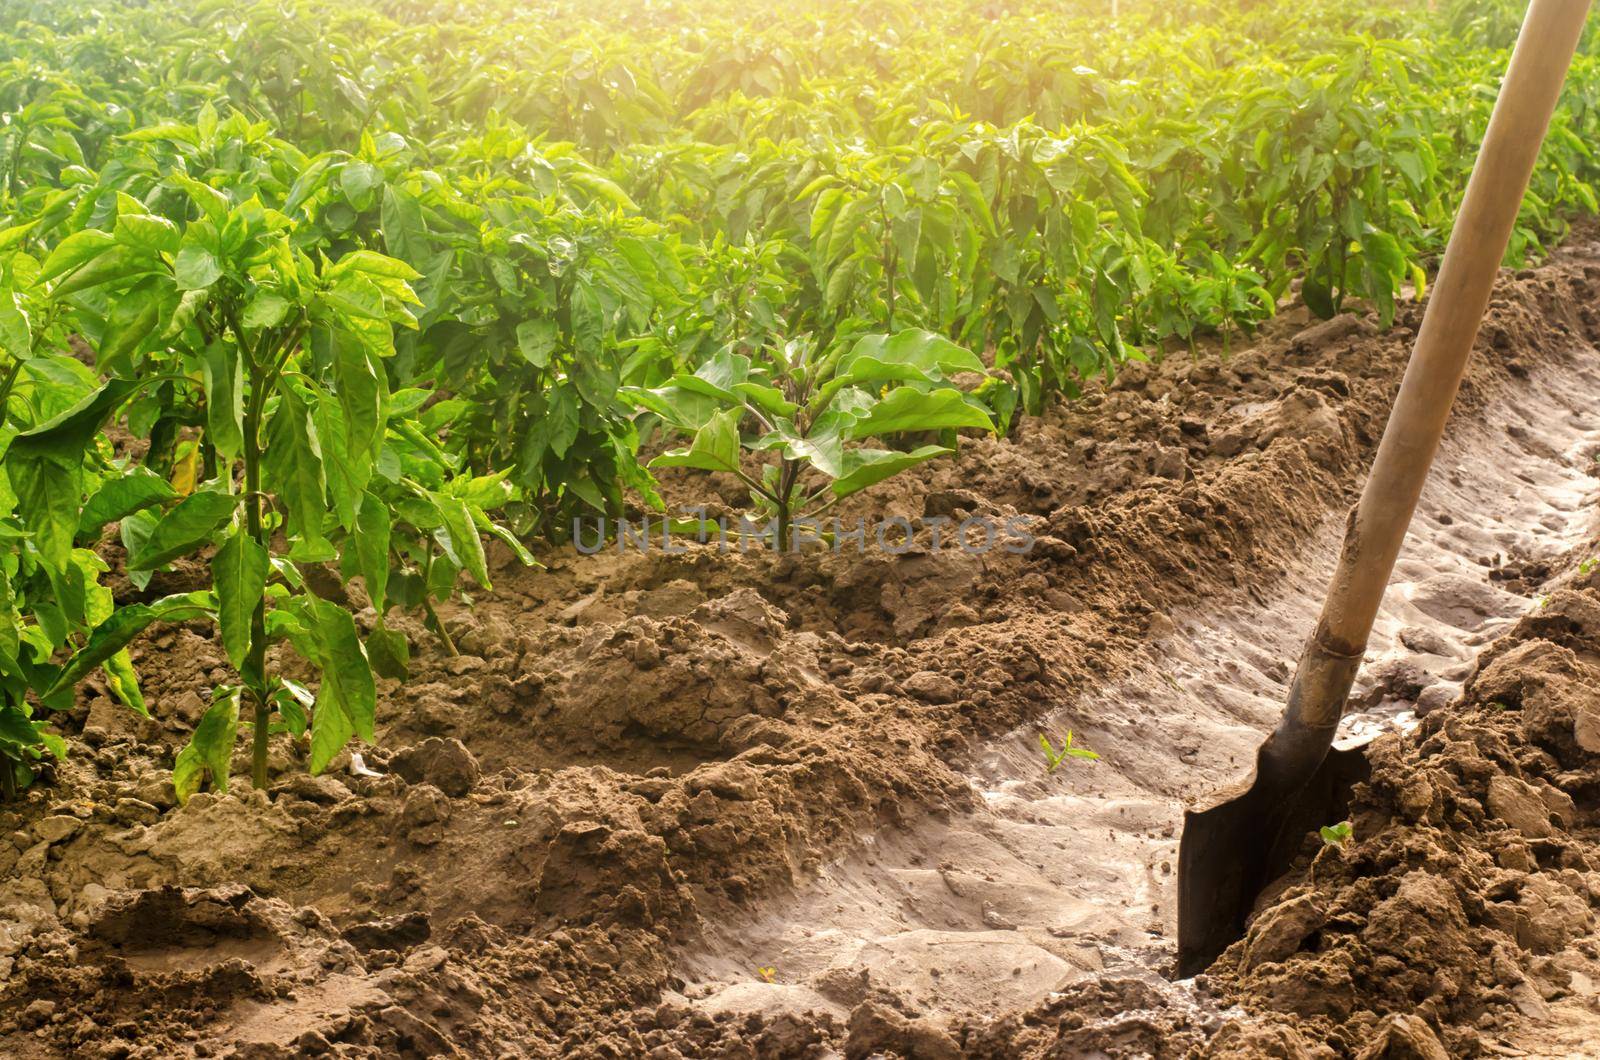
{"x":1587,"y":566}
{"x":768,"y":975}
{"x":1055,"y":757}
{"x":1336,"y":835}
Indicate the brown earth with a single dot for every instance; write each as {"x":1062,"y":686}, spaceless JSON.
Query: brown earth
{"x":1462,"y":909}
{"x":633,"y":747}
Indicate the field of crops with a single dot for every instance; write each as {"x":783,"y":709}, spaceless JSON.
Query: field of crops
{"x":444,"y":447}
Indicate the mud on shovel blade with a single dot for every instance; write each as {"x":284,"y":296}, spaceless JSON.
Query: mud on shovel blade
{"x":1244,"y":839}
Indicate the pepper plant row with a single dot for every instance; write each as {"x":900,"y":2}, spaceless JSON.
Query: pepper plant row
{"x":292,"y":289}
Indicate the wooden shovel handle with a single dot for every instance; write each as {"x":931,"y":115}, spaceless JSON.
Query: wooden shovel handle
{"x":1377,"y":526}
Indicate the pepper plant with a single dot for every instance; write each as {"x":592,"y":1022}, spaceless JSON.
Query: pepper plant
{"x":895,"y":237}
{"x":216,"y":302}
{"x":794,"y":422}
{"x":50,"y":589}
{"x":538,"y":283}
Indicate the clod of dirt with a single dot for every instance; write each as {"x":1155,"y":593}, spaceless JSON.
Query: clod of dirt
{"x":444,"y":763}
{"x":877,"y":1029}
{"x":1470,"y":883}
{"x":389,"y":933}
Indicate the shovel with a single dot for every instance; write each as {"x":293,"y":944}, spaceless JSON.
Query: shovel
{"x":1233,"y":849}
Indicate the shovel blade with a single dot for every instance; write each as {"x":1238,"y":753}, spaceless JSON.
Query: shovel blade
{"x":1231,"y":850}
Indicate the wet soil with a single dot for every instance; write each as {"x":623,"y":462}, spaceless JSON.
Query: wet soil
{"x":713,"y":803}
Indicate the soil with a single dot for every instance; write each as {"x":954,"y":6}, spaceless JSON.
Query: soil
{"x":726,"y":804}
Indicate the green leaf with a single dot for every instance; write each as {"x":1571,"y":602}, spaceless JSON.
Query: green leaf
{"x":357,"y":180}
{"x":74,"y":252}
{"x":117,"y":264}
{"x":347,"y":469}
{"x":907,"y":236}
{"x":19,"y":730}
{"x":389,"y":652}
{"x":222,"y":374}
{"x":47,"y":502}
{"x":206,"y":123}
{"x":915,"y":348}
{"x":909,"y":409}
{"x":536,"y":339}
{"x":239,"y":572}
{"x":196,"y":268}
{"x":373,"y":264}
{"x":147,"y":232}
{"x":267,"y":309}
{"x":768,"y":399}
{"x":405,"y":233}
{"x":127,"y":622}
{"x":482,"y":491}
{"x":16,"y":338}
{"x":168,"y":130}
{"x":347,"y":700}
{"x":123,"y":682}
{"x":842,"y":232}
{"x":14,"y":235}
{"x":134,"y":490}
{"x":213,"y":203}
{"x":133,"y":317}
{"x":293,"y":461}
{"x":308,"y":182}
{"x":823,"y":448}
{"x":867,"y":467}
{"x":185,"y":528}
{"x":715,"y":446}
{"x":487,"y":526}
{"x":461,"y":541}
{"x":363,"y":392}
{"x":292,"y":700}
{"x":210,"y":750}
{"x":371,"y":543}
{"x":838,"y":287}
{"x":65,"y":436}
{"x":1385,"y":252}
{"x":44,"y":466}
{"x":188,"y":307}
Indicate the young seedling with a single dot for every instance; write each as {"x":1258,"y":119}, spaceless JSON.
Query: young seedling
{"x":814,"y":411}
{"x":1336,"y":835}
{"x":768,"y":975}
{"x":1054,"y":756}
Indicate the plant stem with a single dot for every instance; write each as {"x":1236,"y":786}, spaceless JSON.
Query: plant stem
{"x":6,"y":383}
{"x":8,"y":778}
{"x":263,"y":374}
{"x":789,"y":470}
{"x":890,"y":261}
{"x":783,"y":526}
{"x":438,"y":624}
{"x":427,"y":607}
{"x":208,"y":461}
{"x":256,"y":662}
